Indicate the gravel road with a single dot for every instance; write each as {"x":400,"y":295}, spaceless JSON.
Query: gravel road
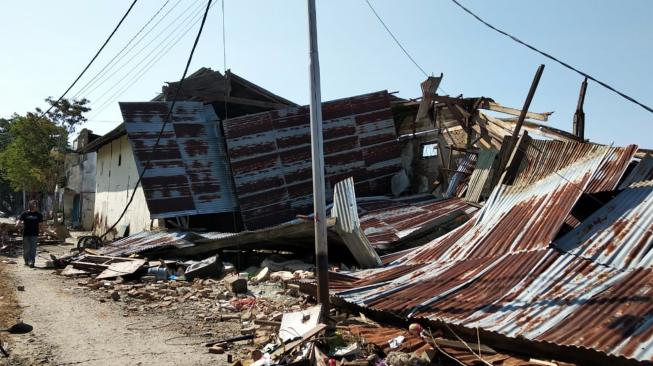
{"x":70,"y":329}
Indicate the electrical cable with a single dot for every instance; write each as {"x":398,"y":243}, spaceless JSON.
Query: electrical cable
{"x":183,"y":24}
{"x":153,"y":61}
{"x":101,"y":72}
{"x":628,"y":98}
{"x":165,"y":120}
{"x":104,"y":79}
{"x":92,"y":60}
{"x":397,"y":42}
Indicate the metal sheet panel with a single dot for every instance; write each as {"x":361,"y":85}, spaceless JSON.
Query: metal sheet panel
{"x":404,"y":220}
{"x":643,"y":171}
{"x":270,"y":155}
{"x":147,"y":240}
{"x":481,"y":177}
{"x":515,"y":218}
{"x":188,"y":174}
{"x":545,"y":157}
{"x":498,"y":271}
{"x":619,"y":234}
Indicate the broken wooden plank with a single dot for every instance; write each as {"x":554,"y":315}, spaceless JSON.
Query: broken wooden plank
{"x":121,"y":269}
{"x":71,"y":271}
{"x":443,"y":342}
{"x":493,"y":106}
{"x":294,"y":344}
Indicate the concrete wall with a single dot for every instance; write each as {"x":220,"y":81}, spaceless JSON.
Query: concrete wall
{"x":116,"y":175}
{"x":80,"y":180}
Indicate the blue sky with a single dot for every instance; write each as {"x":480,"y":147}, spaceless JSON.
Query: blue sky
{"x":45,"y":44}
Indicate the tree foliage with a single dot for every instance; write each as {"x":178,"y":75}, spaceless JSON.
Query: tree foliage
{"x":66,"y":113}
{"x":32,"y":149}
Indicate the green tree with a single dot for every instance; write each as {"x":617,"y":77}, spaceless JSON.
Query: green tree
{"x":33,"y":153}
{"x":66,"y":113}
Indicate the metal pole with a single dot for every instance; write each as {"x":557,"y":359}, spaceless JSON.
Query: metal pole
{"x":317,"y":153}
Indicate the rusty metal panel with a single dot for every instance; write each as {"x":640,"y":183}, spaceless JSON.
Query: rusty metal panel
{"x":545,"y":157}
{"x":499,"y":273}
{"x":516,"y":218}
{"x":270,"y":155}
{"x":619,"y":234}
{"x":188,"y":174}
{"x":146,"y":240}
{"x":643,"y":171}
{"x":404,"y":220}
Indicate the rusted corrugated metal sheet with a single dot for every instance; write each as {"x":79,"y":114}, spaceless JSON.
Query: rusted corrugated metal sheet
{"x":499,"y":273}
{"x":619,"y":234}
{"x":457,"y":183}
{"x":479,"y":181}
{"x":643,"y":171}
{"x":145,"y":241}
{"x":515,"y":218}
{"x":347,"y":225}
{"x":545,"y":157}
{"x":188,"y":173}
{"x":388,"y":226}
{"x":271,"y":157}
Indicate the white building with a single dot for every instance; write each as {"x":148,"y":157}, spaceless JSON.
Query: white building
{"x":172,"y":198}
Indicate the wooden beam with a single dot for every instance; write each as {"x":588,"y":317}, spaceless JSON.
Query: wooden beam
{"x":492,"y":106}
{"x":527,"y":104}
{"x":249,"y":102}
{"x":579,"y":116}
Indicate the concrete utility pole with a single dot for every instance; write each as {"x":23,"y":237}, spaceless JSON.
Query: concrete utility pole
{"x":317,"y":153}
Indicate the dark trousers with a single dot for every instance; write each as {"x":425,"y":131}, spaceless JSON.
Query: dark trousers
{"x":29,"y":249}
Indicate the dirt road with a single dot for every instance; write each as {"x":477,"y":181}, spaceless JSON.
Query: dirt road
{"x":70,"y":329}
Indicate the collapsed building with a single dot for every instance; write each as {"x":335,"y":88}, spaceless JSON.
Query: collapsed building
{"x":527,"y":236}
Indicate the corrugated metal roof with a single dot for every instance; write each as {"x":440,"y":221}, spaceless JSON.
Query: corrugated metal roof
{"x":619,"y":234}
{"x":464,"y":169}
{"x":515,"y":218}
{"x":347,"y":225}
{"x":544,"y":157}
{"x":271,"y":157}
{"x":147,"y":240}
{"x":479,"y":181}
{"x":404,"y":220}
{"x":643,"y":171}
{"x":188,"y":174}
{"x":498,"y":272}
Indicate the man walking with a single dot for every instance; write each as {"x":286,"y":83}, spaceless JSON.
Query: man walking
{"x":30,"y":220}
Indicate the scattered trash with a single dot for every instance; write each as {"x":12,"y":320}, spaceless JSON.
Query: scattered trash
{"x":396,"y":341}
{"x":211,"y":267}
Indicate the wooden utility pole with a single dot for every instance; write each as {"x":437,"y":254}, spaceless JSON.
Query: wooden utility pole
{"x":317,"y":153}
{"x":527,"y":103}
{"x":579,"y":116}
{"x":514,"y":139}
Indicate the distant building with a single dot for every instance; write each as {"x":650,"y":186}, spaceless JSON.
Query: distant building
{"x":77,"y":193}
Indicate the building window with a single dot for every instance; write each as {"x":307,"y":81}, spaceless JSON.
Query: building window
{"x":119,"y":159}
{"x":429,"y":149}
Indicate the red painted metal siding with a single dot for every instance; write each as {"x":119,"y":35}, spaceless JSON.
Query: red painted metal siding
{"x":270,"y":155}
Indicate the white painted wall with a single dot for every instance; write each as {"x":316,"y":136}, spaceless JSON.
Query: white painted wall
{"x":116,"y":175}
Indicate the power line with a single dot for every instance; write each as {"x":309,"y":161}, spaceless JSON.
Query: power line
{"x":155,"y":52}
{"x":397,"y":42}
{"x":162,"y":51}
{"x":156,"y":37}
{"x":630,"y":99}
{"x":165,"y":120}
{"x":92,"y":60}
{"x":95,"y":77}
